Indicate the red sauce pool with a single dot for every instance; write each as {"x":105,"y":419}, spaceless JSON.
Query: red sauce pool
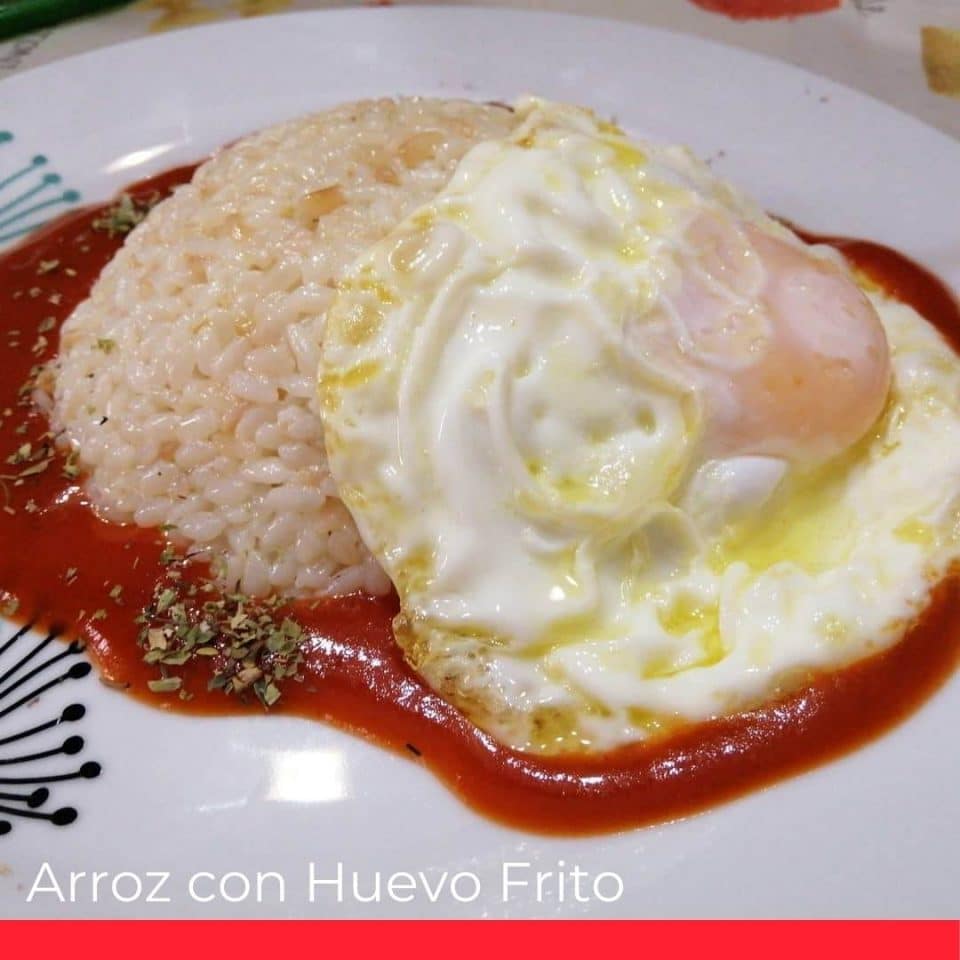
{"x":355,"y":677}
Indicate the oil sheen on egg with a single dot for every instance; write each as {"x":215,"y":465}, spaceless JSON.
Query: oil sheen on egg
{"x":632,"y":454}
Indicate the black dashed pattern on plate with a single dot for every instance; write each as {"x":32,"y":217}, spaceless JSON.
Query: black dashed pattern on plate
{"x":31,"y":665}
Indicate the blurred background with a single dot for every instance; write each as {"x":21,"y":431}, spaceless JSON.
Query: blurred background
{"x":905,"y":52}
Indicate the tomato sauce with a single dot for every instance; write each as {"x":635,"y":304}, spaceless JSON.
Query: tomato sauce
{"x":68,"y":568}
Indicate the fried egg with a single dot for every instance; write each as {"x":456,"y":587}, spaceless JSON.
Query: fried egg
{"x":633,"y":455}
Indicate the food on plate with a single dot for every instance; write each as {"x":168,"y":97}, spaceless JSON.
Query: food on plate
{"x":627,"y":447}
{"x":513,"y":442}
{"x":201,"y":339}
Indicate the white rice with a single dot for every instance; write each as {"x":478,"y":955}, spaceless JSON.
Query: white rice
{"x":200,"y":342}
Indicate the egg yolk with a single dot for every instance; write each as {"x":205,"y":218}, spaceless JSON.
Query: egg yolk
{"x":788,"y":353}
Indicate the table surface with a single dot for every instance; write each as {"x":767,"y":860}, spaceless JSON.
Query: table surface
{"x":904,"y":52}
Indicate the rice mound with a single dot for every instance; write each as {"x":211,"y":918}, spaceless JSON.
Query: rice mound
{"x":186,"y":381}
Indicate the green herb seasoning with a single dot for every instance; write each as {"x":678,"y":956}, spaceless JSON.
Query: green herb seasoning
{"x":125,"y":214}
{"x":253,"y":648}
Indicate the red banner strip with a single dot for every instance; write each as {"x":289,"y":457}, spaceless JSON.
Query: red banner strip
{"x":453,"y":940}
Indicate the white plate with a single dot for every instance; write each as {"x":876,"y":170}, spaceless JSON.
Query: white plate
{"x":872,"y":834}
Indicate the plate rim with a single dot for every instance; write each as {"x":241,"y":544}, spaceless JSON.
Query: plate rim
{"x":456,"y":11}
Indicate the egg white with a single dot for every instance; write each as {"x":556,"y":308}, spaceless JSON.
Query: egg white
{"x":574,"y":570}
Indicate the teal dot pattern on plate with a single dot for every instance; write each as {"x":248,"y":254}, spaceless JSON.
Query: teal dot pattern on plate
{"x":31,"y":194}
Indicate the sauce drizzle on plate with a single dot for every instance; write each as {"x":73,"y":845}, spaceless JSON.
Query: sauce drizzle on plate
{"x":63,"y":565}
